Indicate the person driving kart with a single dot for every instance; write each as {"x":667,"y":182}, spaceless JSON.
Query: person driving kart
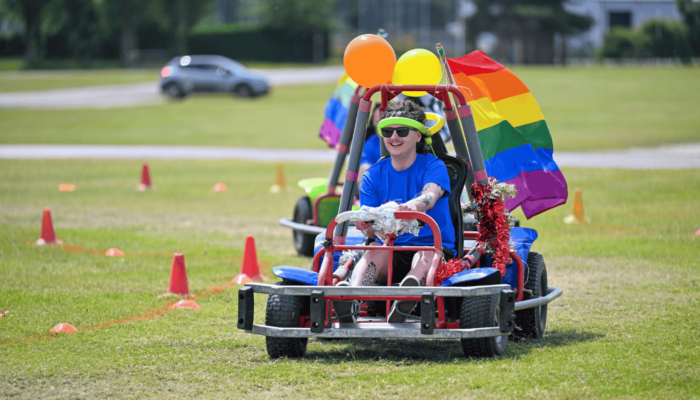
{"x":417,"y":181}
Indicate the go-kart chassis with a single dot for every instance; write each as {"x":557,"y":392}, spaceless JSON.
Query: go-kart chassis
{"x":320,"y":321}
{"x":320,"y":324}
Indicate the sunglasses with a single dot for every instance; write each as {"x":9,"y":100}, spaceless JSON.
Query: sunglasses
{"x":389,"y":132}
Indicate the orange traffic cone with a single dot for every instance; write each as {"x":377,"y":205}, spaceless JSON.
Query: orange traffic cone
{"x":145,"y":178}
{"x":47,"y":234}
{"x":185,"y":304}
{"x":280,"y":180}
{"x":114,"y":252}
{"x":250,"y":270}
{"x":178,"y":277}
{"x":577,"y":215}
{"x":219,"y":187}
{"x":64,"y":327}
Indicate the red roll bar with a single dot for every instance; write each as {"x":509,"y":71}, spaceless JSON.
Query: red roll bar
{"x":438,"y":91}
{"x":423,"y":217}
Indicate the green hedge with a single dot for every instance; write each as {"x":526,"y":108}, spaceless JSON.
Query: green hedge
{"x":658,"y":39}
{"x":256,"y":44}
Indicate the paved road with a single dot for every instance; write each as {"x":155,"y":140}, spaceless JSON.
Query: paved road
{"x":145,"y":93}
{"x":666,"y":157}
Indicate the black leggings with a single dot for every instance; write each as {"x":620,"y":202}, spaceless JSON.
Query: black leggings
{"x":402,"y":263}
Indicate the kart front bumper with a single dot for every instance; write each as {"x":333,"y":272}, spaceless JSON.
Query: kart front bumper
{"x":322,"y":327}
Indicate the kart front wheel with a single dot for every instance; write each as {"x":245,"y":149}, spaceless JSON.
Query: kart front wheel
{"x":285,"y":312}
{"x":481,"y":312}
{"x":303,"y":242}
{"x":533,"y":321}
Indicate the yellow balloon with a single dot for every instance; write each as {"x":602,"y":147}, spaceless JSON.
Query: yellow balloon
{"x":417,"y":67}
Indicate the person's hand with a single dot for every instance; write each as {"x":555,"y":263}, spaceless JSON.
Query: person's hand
{"x":362,"y":225}
{"x":407,"y":207}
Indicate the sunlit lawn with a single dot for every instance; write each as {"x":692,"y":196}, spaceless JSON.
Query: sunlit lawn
{"x":25,"y":81}
{"x":586,"y":109}
{"x":626,"y":325}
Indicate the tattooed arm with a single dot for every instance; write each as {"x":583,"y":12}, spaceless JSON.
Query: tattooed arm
{"x":431,"y":193}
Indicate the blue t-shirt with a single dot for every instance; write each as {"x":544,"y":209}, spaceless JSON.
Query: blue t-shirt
{"x":371,"y":151}
{"x":381,"y":184}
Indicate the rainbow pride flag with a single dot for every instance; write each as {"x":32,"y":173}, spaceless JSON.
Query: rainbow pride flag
{"x":514,"y":137}
{"x":337,"y":110}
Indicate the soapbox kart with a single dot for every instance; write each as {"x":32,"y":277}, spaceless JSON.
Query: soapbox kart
{"x":478,"y":305}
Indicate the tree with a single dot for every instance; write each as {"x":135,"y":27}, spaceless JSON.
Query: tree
{"x":74,"y":22}
{"x":29,"y":12}
{"x":182,"y":15}
{"x":300,"y":16}
{"x":691,"y":16}
{"x":128,"y":13}
{"x":510,"y":19}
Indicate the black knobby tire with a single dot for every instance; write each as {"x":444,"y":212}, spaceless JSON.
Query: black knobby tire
{"x":243,"y":90}
{"x":303,"y":242}
{"x":173,"y":91}
{"x":284,"y":312}
{"x":531,"y":322}
{"x":481,"y":312}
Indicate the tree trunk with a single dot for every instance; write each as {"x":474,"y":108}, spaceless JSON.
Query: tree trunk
{"x":32,"y":13}
{"x":181,"y":27}
{"x":318,"y":46}
{"x":127,"y":27}
{"x":564,"y":50}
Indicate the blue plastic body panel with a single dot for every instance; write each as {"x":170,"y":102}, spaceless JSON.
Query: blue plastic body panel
{"x":296,"y":274}
{"x":522,"y":239}
{"x":469,"y":275}
{"x":354,"y":238}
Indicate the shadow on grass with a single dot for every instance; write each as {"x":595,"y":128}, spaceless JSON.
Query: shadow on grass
{"x":432,"y":351}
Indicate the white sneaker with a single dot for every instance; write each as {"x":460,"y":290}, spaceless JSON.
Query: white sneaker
{"x":401,"y":309}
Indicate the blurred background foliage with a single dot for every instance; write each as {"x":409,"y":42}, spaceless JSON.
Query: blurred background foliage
{"x":86,"y":31}
{"x":113,"y":33}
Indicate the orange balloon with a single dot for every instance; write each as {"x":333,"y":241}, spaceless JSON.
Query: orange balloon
{"x":369,"y":60}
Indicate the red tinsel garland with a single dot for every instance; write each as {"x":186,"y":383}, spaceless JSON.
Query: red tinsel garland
{"x":448,"y":269}
{"x":493,"y":225}
{"x":493,"y":229}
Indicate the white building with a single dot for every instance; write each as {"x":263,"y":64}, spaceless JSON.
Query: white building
{"x":607,"y":14}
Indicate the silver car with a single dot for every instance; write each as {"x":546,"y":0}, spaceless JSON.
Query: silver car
{"x":194,"y":74}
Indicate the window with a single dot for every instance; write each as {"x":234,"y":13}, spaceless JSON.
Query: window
{"x":620,"y":19}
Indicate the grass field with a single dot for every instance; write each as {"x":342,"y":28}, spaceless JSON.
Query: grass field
{"x":626,"y":325}
{"x":49,"y":80}
{"x":586,"y":109}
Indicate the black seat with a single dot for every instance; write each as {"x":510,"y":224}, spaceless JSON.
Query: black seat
{"x":457,"y":171}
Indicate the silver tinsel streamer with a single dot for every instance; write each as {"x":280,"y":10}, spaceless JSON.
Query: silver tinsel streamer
{"x":383,"y":220}
{"x":353,"y":255}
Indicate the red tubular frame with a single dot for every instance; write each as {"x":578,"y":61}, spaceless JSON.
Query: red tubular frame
{"x":438,"y":91}
{"x":521,"y":276}
{"x":325,"y":277}
{"x":325,"y":272}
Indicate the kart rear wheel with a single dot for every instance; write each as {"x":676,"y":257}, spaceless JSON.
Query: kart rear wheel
{"x":303,"y":242}
{"x":481,"y":312}
{"x":285,"y":312}
{"x":533,"y":321}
